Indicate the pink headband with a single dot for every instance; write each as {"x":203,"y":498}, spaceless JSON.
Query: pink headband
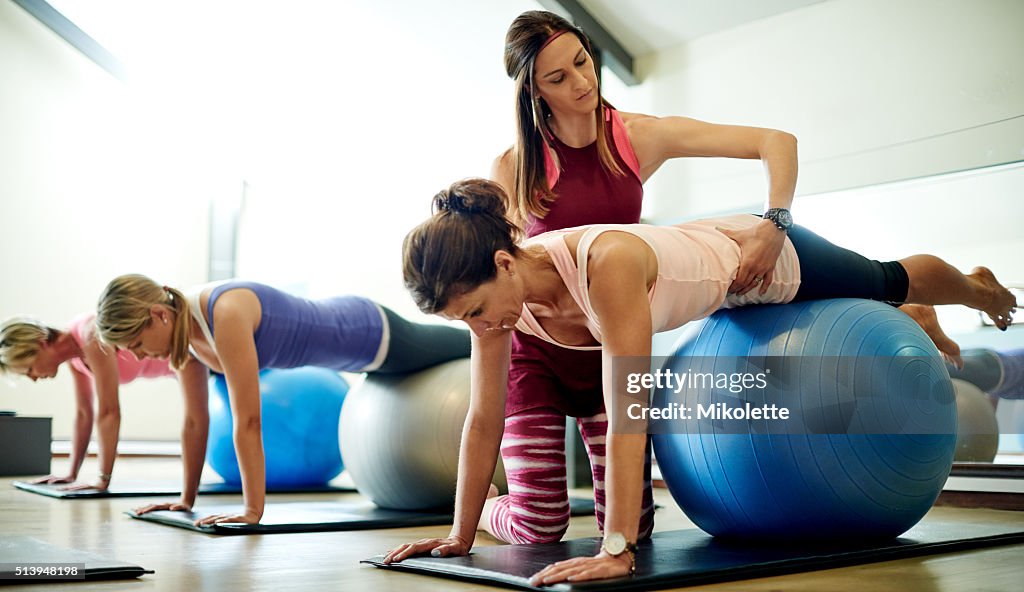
{"x":553,"y":36}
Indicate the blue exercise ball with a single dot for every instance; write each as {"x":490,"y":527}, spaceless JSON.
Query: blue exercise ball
{"x":299,"y":413}
{"x":869,"y":441}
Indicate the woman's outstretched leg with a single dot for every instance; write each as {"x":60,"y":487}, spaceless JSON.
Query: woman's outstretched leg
{"x":830,"y":271}
{"x":933,"y":281}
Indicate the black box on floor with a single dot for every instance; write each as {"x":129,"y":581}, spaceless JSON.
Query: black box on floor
{"x":24,"y":445}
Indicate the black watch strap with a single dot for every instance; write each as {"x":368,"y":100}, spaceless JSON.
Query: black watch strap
{"x":781,"y":217}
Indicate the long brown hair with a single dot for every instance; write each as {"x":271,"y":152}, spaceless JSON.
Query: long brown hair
{"x":453,"y":252}
{"x":525,"y":38}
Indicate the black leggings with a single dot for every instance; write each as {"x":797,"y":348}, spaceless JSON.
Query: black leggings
{"x":415,"y":346}
{"x":828,"y":271}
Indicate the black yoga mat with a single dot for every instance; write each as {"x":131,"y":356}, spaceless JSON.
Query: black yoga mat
{"x":689,"y":557}
{"x":149,"y":489}
{"x":318,"y":517}
{"x":33,"y":556}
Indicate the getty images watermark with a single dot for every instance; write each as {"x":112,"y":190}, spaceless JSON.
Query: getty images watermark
{"x":781,"y":395}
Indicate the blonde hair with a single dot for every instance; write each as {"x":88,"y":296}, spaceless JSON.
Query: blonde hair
{"x":20,"y":340}
{"x":123,"y":312}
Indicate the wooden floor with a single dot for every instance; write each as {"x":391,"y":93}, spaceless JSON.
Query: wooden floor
{"x":194,"y":562}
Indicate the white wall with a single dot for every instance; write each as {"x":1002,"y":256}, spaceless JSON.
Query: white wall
{"x":343,"y":119}
{"x":90,"y":187}
{"x":345,"y":162}
{"x":875,"y":90}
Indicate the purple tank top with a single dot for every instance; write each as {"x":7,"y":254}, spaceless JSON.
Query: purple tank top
{"x":342,"y":333}
{"x":543,"y":374}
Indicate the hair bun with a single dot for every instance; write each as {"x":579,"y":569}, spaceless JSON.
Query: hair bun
{"x":450,"y":201}
{"x":471,"y":196}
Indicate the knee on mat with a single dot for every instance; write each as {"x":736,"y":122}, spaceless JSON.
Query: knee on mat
{"x":530,"y":531}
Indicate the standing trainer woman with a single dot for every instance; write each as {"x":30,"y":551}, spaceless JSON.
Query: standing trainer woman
{"x":578,"y":161}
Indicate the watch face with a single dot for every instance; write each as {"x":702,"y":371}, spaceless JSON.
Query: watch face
{"x":615,"y":543}
{"x":785,"y":218}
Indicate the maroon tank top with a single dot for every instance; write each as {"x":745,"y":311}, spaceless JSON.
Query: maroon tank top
{"x":543,"y":374}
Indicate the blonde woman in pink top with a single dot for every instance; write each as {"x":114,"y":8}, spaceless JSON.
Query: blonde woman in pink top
{"x":37,"y":351}
{"x":611,"y":287}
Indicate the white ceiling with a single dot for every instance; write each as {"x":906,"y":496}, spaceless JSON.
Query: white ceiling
{"x":643,"y":26}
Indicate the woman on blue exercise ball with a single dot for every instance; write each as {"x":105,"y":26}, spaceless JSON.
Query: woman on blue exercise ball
{"x":610,"y":287}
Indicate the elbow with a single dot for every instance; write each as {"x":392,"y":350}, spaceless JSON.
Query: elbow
{"x":482,"y":425}
{"x":193,"y":424}
{"x":109,"y":414}
{"x":247,"y":425}
{"x":785,"y":140}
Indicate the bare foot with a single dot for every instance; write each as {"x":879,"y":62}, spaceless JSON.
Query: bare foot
{"x":924,"y":315}
{"x":1001,"y":302}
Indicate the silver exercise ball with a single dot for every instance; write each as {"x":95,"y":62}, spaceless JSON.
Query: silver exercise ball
{"x":400,"y":436}
{"x":977,"y":437}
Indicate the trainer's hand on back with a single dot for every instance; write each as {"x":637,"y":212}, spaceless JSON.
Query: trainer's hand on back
{"x":760,"y":247}
{"x":447,"y":547}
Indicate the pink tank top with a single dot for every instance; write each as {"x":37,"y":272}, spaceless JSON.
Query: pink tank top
{"x":696,"y":264}
{"x":128,"y":366}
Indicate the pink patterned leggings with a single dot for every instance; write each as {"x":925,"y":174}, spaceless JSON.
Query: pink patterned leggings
{"x":536,"y":509}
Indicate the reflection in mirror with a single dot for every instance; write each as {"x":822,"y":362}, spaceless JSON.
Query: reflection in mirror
{"x":968,"y":218}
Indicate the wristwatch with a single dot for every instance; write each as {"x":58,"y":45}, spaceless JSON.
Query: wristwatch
{"x":781,"y":217}
{"x":615,"y":544}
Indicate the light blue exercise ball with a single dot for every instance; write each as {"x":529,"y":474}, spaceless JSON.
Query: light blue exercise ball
{"x":299,"y":415}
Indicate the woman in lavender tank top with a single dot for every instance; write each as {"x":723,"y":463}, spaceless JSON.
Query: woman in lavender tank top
{"x":237,"y":328}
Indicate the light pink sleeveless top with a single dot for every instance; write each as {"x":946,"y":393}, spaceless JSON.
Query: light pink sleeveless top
{"x":696,"y":265}
{"x":128,"y":366}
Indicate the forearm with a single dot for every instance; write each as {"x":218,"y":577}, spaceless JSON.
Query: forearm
{"x":478,"y":455}
{"x":779,"y":156}
{"x":624,"y":478}
{"x":193,"y":453}
{"x":80,"y":441}
{"x":108,"y":426}
{"x":249,"y":449}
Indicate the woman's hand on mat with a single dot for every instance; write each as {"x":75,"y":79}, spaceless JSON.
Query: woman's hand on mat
{"x":247,"y":517}
{"x":581,"y":569}
{"x":54,"y":480}
{"x":173,"y":506}
{"x":452,"y":546}
{"x":99,"y":485}
{"x":760,"y":247}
